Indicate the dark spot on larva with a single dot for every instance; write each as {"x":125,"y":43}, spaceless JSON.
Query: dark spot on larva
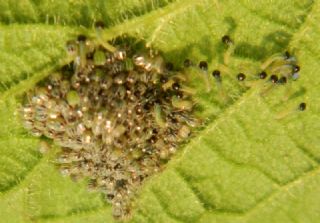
{"x":99,"y":24}
{"x":90,"y":55}
{"x":216,"y":74}
{"x":147,"y":106}
{"x":120,"y":183}
{"x":163,"y":79}
{"x":82,"y":38}
{"x":226,"y":40}
{"x":110,"y":196}
{"x":169,"y":66}
{"x":203,"y":65}
{"x":153,"y":139}
{"x":117,"y":166}
{"x":179,"y":94}
{"x":176,"y":86}
{"x":263,"y":75}
{"x":296,"y":68}
{"x":287,"y":55}
{"x":139,"y":110}
{"x":302,"y":106}
{"x":274,"y":78}
{"x":282,"y":80}
{"x":241,"y":77}
{"x":187,"y":63}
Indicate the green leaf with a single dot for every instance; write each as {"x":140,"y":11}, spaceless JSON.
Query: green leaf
{"x":245,"y":165}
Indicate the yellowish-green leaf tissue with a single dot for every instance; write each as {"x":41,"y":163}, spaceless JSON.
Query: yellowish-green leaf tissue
{"x":159,"y":111}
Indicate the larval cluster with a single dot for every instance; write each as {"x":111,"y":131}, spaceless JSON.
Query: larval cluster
{"x":118,"y":117}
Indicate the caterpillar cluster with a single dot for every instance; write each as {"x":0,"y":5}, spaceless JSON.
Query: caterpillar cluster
{"x":280,"y":67}
{"x":120,"y":112}
{"x":118,"y":117}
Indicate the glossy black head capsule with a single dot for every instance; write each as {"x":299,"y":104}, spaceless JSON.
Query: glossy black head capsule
{"x":155,"y":131}
{"x":169,"y":66}
{"x":147,"y":106}
{"x":152,"y":139}
{"x":163,"y":79}
{"x":274,"y":78}
{"x":139,"y":110}
{"x":241,"y":77}
{"x":302,"y":106}
{"x":90,"y":56}
{"x":203,"y":65}
{"x":176,"y":86}
{"x":263,"y":75}
{"x":187,"y":63}
{"x":296,"y":68}
{"x":110,"y":196}
{"x":216,"y":74}
{"x":82,"y":38}
{"x":68,"y":68}
{"x":179,"y":94}
{"x":282,"y":80}
{"x":99,"y":24}
{"x":287,"y":55}
{"x":120,"y":183}
{"x":226,"y":40}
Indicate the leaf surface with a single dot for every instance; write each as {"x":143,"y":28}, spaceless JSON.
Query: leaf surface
{"x":245,"y":165}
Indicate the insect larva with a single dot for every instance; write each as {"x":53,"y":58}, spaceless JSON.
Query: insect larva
{"x":181,"y":104}
{"x":302,"y":106}
{"x":241,"y":76}
{"x":159,"y":119}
